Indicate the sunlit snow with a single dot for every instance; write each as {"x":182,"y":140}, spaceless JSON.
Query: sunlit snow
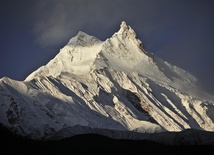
{"x":112,"y":84}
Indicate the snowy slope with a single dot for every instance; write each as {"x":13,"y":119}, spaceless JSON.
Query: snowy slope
{"x":113,"y":84}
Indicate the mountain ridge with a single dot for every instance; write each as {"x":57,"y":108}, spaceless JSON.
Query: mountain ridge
{"x":113,"y":84}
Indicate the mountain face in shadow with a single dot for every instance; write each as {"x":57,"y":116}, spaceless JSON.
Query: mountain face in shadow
{"x":112,"y":88}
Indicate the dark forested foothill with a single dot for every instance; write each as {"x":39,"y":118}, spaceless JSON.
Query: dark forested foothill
{"x":11,"y":143}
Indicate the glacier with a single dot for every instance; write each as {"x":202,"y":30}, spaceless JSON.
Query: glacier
{"x":113,"y":85}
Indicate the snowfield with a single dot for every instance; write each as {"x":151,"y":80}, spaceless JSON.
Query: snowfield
{"x":113,"y":85}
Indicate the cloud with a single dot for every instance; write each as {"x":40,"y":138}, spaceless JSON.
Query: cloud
{"x":173,"y":30}
{"x":55,"y":21}
{"x":51,"y":22}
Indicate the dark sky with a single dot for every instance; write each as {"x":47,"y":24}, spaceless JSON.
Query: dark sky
{"x":178,"y":31}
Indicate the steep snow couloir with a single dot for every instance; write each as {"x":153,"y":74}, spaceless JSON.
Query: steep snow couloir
{"x":110,"y":85}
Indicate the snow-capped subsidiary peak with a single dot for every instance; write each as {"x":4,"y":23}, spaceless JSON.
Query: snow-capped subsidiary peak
{"x":83,"y":39}
{"x":84,"y":53}
{"x":93,"y":85}
{"x":76,"y":57}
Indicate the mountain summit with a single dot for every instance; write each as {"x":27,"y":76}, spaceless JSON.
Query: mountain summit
{"x":94,"y":86}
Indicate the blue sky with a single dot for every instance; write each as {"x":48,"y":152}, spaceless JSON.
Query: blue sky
{"x":178,"y":31}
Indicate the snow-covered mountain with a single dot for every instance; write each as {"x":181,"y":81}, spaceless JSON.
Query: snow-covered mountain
{"x":105,"y":85}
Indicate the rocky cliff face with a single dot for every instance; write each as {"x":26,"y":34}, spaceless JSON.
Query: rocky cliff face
{"x":112,"y":85}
